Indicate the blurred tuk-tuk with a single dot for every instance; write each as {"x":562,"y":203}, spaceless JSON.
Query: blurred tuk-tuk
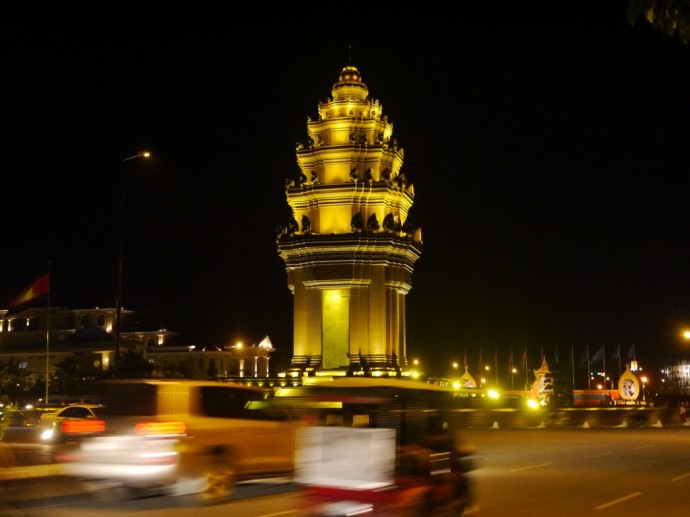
{"x":378,"y":446}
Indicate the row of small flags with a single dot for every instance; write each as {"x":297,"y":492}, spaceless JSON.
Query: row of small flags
{"x":586,"y":359}
{"x":599,"y":355}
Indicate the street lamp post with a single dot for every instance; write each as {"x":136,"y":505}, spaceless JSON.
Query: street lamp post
{"x":118,"y":296}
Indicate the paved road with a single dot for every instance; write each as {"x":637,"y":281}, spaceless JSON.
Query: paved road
{"x":575,"y":472}
{"x":567,"y":472}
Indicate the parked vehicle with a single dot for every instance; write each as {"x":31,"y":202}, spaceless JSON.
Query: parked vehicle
{"x":69,"y":423}
{"x":21,"y":426}
{"x":188,"y":438}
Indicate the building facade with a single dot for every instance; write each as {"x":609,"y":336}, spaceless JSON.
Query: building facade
{"x":350,"y":247}
{"x":37,"y":340}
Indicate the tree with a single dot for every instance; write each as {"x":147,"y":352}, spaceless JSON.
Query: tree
{"x":135,"y":366}
{"x":74,"y":377}
{"x":16,"y":382}
{"x":6,"y":451}
{"x":212,"y":372}
{"x":669,"y":16}
{"x":183,"y":369}
{"x":6,"y":412}
{"x":562,"y":395}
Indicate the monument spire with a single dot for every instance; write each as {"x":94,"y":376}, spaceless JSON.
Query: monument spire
{"x":350,"y":246}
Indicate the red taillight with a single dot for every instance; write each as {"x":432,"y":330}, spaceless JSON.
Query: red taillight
{"x":82,"y":426}
{"x":160,"y":428}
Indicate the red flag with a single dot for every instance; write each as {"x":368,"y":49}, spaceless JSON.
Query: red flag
{"x":524,"y":359}
{"x":31,"y":295}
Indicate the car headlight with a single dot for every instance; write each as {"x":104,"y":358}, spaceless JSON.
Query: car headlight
{"x":532,"y":404}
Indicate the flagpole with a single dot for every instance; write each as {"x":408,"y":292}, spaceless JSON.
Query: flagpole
{"x":481,"y":367}
{"x":512,"y":370}
{"x":603,"y":356}
{"x":526,"y":381}
{"x":496,"y":364}
{"x":589,"y":372}
{"x":48,"y":340}
{"x":30,"y":296}
{"x":572,"y":363}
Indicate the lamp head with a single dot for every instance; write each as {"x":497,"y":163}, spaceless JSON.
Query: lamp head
{"x":140,"y":154}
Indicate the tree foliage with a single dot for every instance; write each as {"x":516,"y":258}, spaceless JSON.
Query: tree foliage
{"x":183,"y":369}
{"x":74,"y":377}
{"x":16,"y":382}
{"x":135,"y":365}
{"x":6,"y":412}
{"x":669,"y":16}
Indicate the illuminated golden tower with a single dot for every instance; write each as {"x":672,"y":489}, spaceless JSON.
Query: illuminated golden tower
{"x":350,"y":248}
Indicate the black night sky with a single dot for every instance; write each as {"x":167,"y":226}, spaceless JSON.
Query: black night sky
{"x":547,"y":142}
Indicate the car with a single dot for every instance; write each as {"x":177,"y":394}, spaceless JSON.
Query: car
{"x":69,"y":423}
{"x":21,"y":425}
{"x":194,"y":439}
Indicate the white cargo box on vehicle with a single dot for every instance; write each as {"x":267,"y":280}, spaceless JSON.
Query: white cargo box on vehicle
{"x":345,"y":457}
